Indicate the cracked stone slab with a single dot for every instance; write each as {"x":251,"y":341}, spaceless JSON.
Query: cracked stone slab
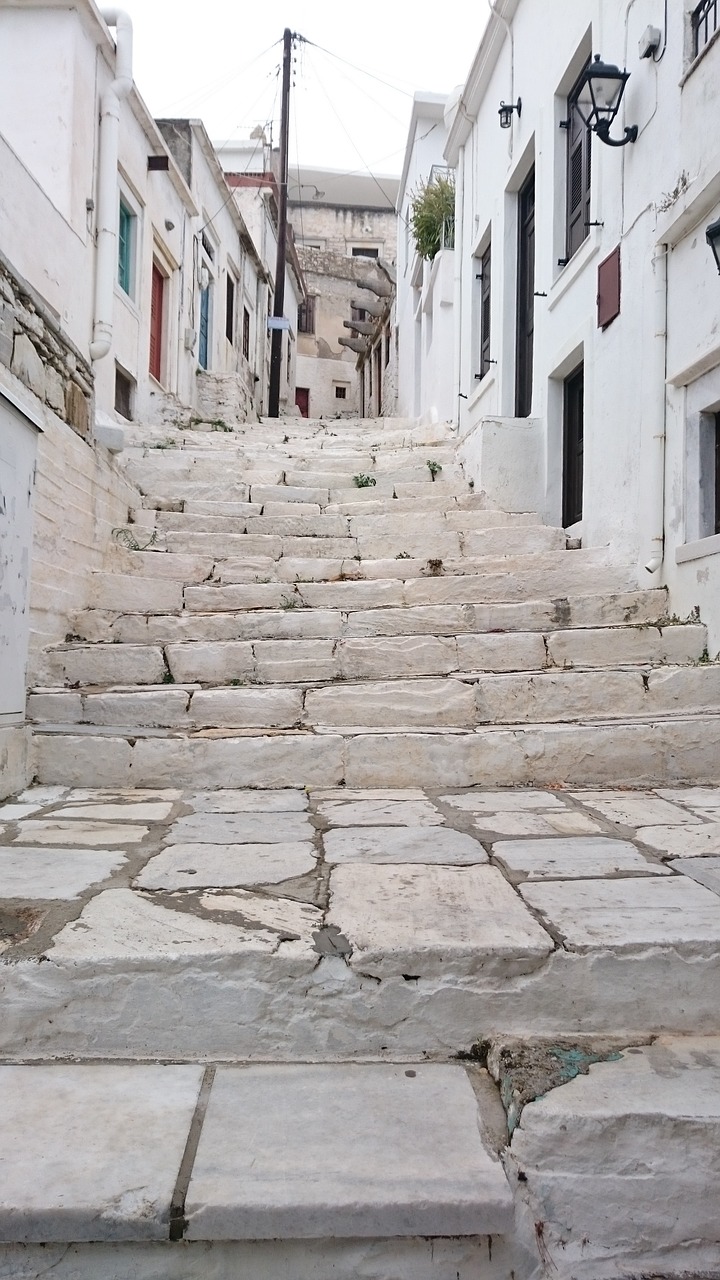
{"x":398,"y":1152}
{"x":704,"y":870}
{"x":42,"y":795}
{"x":694,"y":797}
{"x":57,"y":832}
{"x":62,"y":874}
{"x":360,"y":813}
{"x":634,"y":809}
{"x":284,"y":801}
{"x":371,"y":793}
{"x":287,"y":916}
{"x":548,"y":822}
{"x":121,"y":924}
{"x":629,"y":914}
{"x":683,"y":842}
{"x":148,"y":812}
{"x":572,"y":859}
{"x":241,"y":828}
{"x":129,"y":1122}
{"x":133,"y":795}
{"x":503,"y":801}
{"x":200,"y":866}
{"x":426,"y":921}
{"x":402,"y":844}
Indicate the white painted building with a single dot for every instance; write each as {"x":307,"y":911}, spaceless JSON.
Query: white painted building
{"x":130,"y":246}
{"x":587,"y":300}
{"x":425,"y":289}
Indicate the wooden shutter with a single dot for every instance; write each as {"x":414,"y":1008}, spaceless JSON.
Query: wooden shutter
{"x":578,"y":175}
{"x":156,"y":321}
{"x":485,"y":267}
{"x":608,"y":294}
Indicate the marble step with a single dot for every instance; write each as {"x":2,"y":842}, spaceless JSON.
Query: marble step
{"x":148,"y":1168}
{"x":322,"y":922}
{"x":376,"y":657}
{"x":503,"y":535}
{"x":406,"y":703}
{"x":389,"y":617}
{"x":682,"y":747}
{"x":160,"y":486}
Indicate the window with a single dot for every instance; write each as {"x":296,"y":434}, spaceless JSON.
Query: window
{"x":364,"y":251}
{"x":126,"y":247}
{"x":124,"y":394}
{"x":157,"y":307}
{"x":230,"y":309}
{"x":717,"y":472}
{"x":578,"y":174}
{"x":207,"y":246}
{"x":246,"y":334}
{"x":306,"y":316}
{"x":357,"y":313}
{"x":485,"y":313}
{"x":709,"y":522}
{"x":608,"y":292}
{"x":340,"y":392}
{"x":705,"y":22}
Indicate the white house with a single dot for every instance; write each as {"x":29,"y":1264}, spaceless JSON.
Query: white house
{"x":425,"y":289}
{"x":587,"y":300}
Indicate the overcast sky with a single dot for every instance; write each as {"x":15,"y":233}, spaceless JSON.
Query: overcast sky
{"x":218,"y":59}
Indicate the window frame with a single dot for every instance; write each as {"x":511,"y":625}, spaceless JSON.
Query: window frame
{"x":127,"y":246}
{"x":246,"y":333}
{"x":485,"y":310}
{"x":306,"y":315}
{"x":231,"y":292}
{"x":700,"y":16}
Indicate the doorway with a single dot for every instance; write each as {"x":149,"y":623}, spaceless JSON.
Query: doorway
{"x":302,"y":400}
{"x":573,"y":446}
{"x":525,"y":298}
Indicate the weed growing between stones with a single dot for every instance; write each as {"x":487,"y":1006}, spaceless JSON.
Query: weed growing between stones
{"x":433,"y":467}
{"x":363,"y":481}
{"x":127,"y":538}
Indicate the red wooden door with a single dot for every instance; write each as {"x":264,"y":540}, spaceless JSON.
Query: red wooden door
{"x":156,"y":321}
{"x":302,"y":400}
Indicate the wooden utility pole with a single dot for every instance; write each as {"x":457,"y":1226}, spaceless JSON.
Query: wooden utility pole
{"x":276,"y":322}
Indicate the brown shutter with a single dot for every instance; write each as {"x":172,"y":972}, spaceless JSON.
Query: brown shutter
{"x":608,"y":295}
{"x":156,"y":321}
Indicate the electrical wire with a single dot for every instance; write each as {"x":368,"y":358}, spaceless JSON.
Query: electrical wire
{"x":362,"y":70}
{"x":208,"y":91}
{"x":231,"y":191}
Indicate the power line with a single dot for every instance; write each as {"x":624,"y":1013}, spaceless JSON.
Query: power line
{"x":216,"y":86}
{"x":362,"y":70}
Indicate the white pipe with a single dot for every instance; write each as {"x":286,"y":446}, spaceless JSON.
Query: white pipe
{"x":107,"y":214}
{"x":656,"y":469}
{"x":459,"y":258}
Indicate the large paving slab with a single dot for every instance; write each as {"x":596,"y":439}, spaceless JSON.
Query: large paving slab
{"x":57,"y":831}
{"x":705,"y":870}
{"x":196,"y":866}
{"x":28,"y":873}
{"x":248,"y":801}
{"x":129,"y":1124}
{"x":430,"y":920}
{"x":627,"y":914}
{"x":402,"y":844}
{"x":241,"y":827}
{"x":691,"y":841}
{"x":584,"y":858}
{"x":306,"y":1152}
{"x":635,"y":809}
{"x":401,"y":813}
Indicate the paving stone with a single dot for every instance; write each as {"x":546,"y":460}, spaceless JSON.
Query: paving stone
{"x":396,"y":656}
{"x":705,"y":870}
{"x":247,"y":708}
{"x":211,"y":663}
{"x":683,"y":842}
{"x":53,"y":873}
{"x":435,"y":703}
{"x":402,"y":844}
{"x":248,"y":801}
{"x":401,"y":813}
{"x":42,"y":795}
{"x":427,"y":920}
{"x":398,"y":1153}
{"x":637,"y":809}
{"x":549,"y":822}
{"x":121,"y":924}
{"x":629,"y":914}
{"x":503,"y":801}
{"x":122,"y":795}
{"x":11,"y":812}
{"x":370,"y":793}
{"x":72,"y":832}
{"x":130,"y":1124}
{"x":571,"y":859}
{"x":244,"y":827}
{"x":292,"y":919}
{"x":199,"y":866}
{"x":694,"y":797}
{"x":148,"y":812}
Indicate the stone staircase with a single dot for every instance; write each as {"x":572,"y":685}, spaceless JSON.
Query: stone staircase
{"x":290,"y":627}
{"x":335,"y":943}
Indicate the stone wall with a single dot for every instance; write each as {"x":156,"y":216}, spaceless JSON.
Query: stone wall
{"x":225,"y":397}
{"x":34,"y":348}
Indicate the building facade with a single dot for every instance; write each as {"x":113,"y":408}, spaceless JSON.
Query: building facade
{"x":587,"y":300}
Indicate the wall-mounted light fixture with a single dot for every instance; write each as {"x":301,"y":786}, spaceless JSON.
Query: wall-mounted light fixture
{"x":712,"y":235}
{"x":599,"y":98}
{"x":506,"y":112}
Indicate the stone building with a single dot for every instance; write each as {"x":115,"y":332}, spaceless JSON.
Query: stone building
{"x":341,"y":221}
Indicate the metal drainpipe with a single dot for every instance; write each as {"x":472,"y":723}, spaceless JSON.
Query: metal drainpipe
{"x":458,"y":283}
{"x":657,"y":453}
{"x":107,"y":215}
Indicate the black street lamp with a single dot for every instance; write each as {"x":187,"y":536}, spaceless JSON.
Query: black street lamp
{"x":506,"y":112}
{"x":599,"y":99}
{"x":712,"y":235}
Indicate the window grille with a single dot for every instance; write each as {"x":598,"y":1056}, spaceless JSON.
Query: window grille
{"x":705,"y":22}
{"x":485,"y":269}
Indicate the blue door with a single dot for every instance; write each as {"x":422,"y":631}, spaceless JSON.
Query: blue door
{"x":204,"y":326}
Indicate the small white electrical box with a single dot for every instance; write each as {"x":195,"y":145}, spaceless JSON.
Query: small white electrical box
{"x":649,"y":42}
